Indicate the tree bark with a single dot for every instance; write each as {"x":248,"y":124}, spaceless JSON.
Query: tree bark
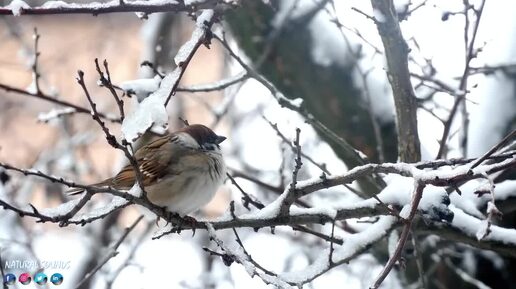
{"x":396,"y":53}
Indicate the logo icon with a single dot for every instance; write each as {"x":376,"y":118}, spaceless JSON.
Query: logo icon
{"x":25,"y":278}
{"x":56,"y":279}
{"x":40,"y":278}
{"x":9,"y":279}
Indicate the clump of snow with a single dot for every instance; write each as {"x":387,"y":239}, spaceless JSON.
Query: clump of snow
{"x":326,"y":211}
{"x":378,"y":15}
{"x":392,"y":242}
{"x":116,"y":202}
{"x":16,"y":6}
{"x":54,"y":4}
{"x":186,"y":49}
{"x":193,"y":2}
{"x":474,"y":227}
{"x":141,"y":87}
{"x":141,"y":15}
{"x":205,"y":16}
{"x":98,"y":5}
{"x":32,"y":88}
{"x":199,"y":32}
{"x":54,"y":113}
{"x":297,"y":102}
{"x":505,"y":190}
{"x":468,"y":201}
{"x":136,"y":190}
{"x":405,"y":212}
{"x":151,"y":111}
{"x":483,"y":231}
{"x":60,"y":210}
{"x":434,"y":202}
{"x":398,"y":190}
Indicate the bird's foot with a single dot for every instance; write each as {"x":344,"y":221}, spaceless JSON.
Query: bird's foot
{"x":187,"y":220}
{"x":167,"y":216}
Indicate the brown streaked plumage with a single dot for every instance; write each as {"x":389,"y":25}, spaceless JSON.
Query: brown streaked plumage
{"x":181,"y":170}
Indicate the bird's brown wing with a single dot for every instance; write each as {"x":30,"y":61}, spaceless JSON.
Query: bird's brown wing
{"x":153,"y":161}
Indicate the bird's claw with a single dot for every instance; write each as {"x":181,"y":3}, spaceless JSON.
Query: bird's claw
{"x":192,"y":222}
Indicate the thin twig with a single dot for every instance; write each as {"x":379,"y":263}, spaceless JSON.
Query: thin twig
{"x":292,"y":191}
{"x":77,"y":108}
{"x":416,"y":198}
{"x":105,"y":80}
{"x":332,"y":249}
{"x":125,"y":263}
{"x":285,"y":140}
{"x":242,"y":175}
{"x":219,"y":85}
{"x":111,"y":139}
{"x":112,"y":253}
{"x":35,"y":73}
{"x":332,"y":239}
{"x":246,"y":199}
{"x":469,"y":55}
{"x":499,"y":145}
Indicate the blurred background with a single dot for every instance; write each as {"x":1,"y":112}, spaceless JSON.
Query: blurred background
{"x":338,"y":72}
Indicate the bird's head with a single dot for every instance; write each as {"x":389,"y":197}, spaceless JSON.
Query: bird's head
{"x":204,"y":136}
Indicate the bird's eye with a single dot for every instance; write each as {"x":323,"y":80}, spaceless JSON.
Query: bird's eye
{"x":209,"y":146}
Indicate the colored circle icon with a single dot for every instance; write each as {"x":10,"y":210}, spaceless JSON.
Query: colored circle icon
{"x":9,"y":279}
{"x":40,"y":278}
{"x":24,"y":278}
{"x":56,"y":279}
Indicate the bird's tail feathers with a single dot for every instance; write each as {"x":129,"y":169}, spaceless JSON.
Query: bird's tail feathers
{"x":77,"y":191}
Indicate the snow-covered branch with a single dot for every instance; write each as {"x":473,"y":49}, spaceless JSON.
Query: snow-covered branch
{"x":352,"y":246}
{"x":152,"y":110}
{"x":19,"y":7}
{"x":270,"y":216}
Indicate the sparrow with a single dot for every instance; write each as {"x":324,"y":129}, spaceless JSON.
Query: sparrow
{"x":181,"y":171}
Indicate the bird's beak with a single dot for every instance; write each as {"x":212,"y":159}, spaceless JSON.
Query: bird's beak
{"x":220,"y":139}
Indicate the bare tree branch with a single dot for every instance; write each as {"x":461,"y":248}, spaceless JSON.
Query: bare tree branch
{"x":416,"y":198}
{"x":46,"y":97}
{"x":147,"y":7}
{"x":396,"y":53}
{"x":470,"y":54}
